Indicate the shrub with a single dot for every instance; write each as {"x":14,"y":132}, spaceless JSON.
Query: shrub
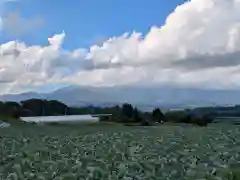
{"x":199,"y":121}
{"x":175,"y":116}
{"x":145,"y":123}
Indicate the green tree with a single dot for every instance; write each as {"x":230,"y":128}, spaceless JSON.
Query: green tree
{"x":10,"y":109}
{"x":34,"y":105}
{"x":157,"y":115}
{"x":127,"y":110}
{"x":44,"y":108}
{"x":136,"y":116}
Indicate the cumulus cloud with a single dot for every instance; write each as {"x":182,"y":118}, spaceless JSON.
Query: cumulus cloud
{"x":15,"y":25}
{"x":199,"y":45}
{"x":206,"y":28}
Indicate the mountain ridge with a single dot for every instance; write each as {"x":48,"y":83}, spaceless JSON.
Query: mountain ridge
{"x":166,"y":97}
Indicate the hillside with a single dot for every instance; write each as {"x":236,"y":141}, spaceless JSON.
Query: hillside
{"x":144,"y":97}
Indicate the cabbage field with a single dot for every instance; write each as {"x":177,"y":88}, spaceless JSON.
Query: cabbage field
{"x":118,"y":152}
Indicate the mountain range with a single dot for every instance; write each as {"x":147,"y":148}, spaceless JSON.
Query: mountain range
{"x":142,"y":97}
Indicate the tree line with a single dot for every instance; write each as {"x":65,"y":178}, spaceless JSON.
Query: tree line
{"x":126,"y":113}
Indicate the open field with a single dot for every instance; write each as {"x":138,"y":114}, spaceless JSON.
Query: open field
{"x":118,"y":152}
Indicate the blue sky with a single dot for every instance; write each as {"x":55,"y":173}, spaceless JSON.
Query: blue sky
{"x":87,"y":22}
{"x":188,"y":51}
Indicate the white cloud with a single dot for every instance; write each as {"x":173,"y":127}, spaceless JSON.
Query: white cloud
{"x":199,"y":45}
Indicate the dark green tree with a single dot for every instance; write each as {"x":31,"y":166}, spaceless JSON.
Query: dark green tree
{"x":136,"y":116}
{"x":34,"y":105}
{"x":127,"y":110}
{"x":44,"y":108}
{"x":12,"y":105}
{"x":10,"y":109}
{"x":157,"y":115}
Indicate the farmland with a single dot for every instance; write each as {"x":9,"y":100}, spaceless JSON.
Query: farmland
{"x":119,"y":152}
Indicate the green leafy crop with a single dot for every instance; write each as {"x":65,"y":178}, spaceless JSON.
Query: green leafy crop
{"x":117,"y":152}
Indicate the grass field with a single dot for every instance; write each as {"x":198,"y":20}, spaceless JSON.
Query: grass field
{"x":119,"y":152}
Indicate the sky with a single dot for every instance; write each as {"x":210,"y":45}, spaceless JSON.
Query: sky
{"x":88,"y":22}
{"x":46,"y":45}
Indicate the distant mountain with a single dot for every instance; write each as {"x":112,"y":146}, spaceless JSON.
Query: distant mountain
{"x":20,"y":97}
{"x":143,"y":97}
